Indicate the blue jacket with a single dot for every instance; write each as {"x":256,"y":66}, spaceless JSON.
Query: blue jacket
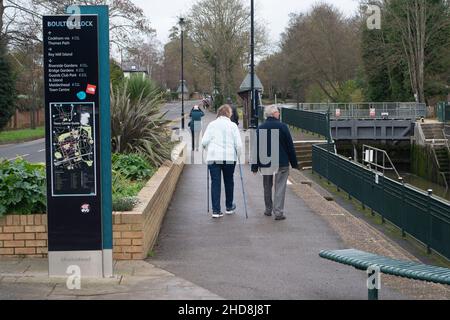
{"x":196,"y":118}
{"x":287,"y":154}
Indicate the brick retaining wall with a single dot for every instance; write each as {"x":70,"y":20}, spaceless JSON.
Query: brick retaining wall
{"x":135,"y":233}
{"x":23,"y":236}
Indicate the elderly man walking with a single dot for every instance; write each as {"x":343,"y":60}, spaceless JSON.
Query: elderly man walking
{"x":274,"y":159}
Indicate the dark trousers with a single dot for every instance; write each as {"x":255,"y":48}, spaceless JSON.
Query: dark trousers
{"x":195,"y":140}
{"x":216,"y":170}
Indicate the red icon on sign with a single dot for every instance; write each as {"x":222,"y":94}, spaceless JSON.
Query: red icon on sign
{"x":91,"y":89}
{"x":85,"y":208}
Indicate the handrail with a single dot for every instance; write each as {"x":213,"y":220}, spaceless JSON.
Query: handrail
{"x":446,"y":127}
{"x":439,"y":165}
{"x":446,"y":138}
{"x":437,"y":142}
{"x":436,"y":158}
{"x":421,"y":135}
{"x":445,"y":181}
{"x":385,"y":155}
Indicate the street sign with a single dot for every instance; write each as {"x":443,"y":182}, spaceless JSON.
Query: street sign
{"x":72,"y":102}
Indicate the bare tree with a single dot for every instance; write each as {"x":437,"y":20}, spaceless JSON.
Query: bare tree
{"x":197,"y":73}
{"x":145,"y":54}
{"x":321,"y":48}
{"x":20,"y":21}
{"x":220,"y":31}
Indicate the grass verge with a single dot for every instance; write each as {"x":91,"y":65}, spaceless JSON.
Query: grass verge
{"x":24,"y":135}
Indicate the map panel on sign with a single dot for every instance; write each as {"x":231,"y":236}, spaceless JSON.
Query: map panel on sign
{"x":73,"y":149}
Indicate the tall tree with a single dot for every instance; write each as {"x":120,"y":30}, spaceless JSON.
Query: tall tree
{"x":26,"y":63}
{"x":7,"y":91}
{"x":197,"y":75}
{"x":220,"y":31}
{"x":319,"y":49}
{"x":415,"y":38}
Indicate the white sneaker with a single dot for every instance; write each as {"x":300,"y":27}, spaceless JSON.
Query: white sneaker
{"x":217,"y":215}
{"x":232,"y":211}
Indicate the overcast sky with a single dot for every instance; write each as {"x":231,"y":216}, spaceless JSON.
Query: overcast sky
{"x":163,"y":13}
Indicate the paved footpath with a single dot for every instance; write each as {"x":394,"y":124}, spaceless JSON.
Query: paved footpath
{"x":27,"y":279}
{"x":200,"y":258}
{"x":256,"y":258}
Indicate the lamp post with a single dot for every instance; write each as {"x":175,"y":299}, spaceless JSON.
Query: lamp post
{"x":254,"y":114}
{"x":215,"y":91}
{"x":182,"y":23}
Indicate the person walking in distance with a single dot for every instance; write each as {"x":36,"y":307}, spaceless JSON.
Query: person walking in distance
{"x":196,"y":126}
{"x":273,"y":160}
{"x":224,"y":145}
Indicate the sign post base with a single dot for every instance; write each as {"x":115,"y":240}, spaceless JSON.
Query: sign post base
{"x":90,"y":263}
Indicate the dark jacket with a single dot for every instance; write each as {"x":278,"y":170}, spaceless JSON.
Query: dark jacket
{"x":235,"y":116}
{"x":196,"y":118}
{"x":287,"y":150}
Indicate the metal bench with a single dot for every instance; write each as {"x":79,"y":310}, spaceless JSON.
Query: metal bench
{"x":407,"y":269}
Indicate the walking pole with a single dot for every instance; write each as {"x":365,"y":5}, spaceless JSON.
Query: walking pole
{"x":243,"y":188}
{"x":207,"y":172}
{"x":207,"y":180}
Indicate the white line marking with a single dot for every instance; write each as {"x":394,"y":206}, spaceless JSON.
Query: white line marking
{"x":41,"y":150}
{"x":23,"y":156}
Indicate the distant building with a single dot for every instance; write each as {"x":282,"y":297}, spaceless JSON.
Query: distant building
{"x":130,"y":69}
{"x":186,"y":91}
{"x":245,"y":94}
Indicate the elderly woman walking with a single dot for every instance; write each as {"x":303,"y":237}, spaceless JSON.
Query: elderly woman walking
{"x":224,"y":145}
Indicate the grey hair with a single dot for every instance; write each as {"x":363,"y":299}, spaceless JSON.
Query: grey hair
{"x":269,"y":111}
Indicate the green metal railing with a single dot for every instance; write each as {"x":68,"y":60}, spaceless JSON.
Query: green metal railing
{"x":316,"y":122}
{"x":341,"y":111}
{"x":421,"y":215}
{"x":261,"y":115}
{"x":443,"y":112}
{"x":312,"y":121}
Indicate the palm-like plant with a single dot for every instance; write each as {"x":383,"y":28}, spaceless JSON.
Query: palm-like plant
{"x":138,"y":126}
{"x":139,"y":86}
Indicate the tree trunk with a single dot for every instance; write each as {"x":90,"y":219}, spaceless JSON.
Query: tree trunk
{"x":2,"y":11}
{"x":421,"y":56}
